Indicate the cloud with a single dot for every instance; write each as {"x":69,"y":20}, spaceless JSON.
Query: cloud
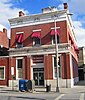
{"x":7,"y":11}
{"x":80,"y":33}
{"x":77,"y":8}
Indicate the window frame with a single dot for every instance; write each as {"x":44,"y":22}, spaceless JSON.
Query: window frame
{"x":19,"y":45}
{"x":34,"y":41}
{"x":55,"y":77}
{"x":4,"y":72}
{"x":17,"y":67}
{"x":58,"y":39}
{"x":36,"y":30}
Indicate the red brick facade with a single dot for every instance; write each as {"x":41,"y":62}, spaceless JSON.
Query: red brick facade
{"x":4,"y":38}
{"x":68,"y":60}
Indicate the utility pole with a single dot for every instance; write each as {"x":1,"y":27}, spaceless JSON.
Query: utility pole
{"x":56,"y":50}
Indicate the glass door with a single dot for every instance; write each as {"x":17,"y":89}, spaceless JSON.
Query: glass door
{"x":41,"y":78}
{"x":38,"y":76}
{"x":35,"y":77}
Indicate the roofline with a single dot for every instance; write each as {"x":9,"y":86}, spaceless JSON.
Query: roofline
{"x":39,"y":14}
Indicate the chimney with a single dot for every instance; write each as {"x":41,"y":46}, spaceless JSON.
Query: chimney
{"x":4,"y":30}
{"x":49,"y":9}
{"x":65,"y":6}
{"x":21,"y":13}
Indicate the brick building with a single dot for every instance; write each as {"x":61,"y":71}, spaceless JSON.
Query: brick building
{"x":3,"y":56}
{"x":32,"y":48}
{"x":81,"y":63}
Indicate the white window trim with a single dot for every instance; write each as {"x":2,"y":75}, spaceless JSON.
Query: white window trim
{"x":53,"y":67}
{"x":16,"y":67}
{"x":36,"y":30}
{"x":52,"y":41}
{"x":19,"y":32}
{"x":4,"y":72}
{"x":52,"y":28}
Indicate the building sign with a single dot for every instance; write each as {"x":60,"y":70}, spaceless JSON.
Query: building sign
{"x":38,"y":59}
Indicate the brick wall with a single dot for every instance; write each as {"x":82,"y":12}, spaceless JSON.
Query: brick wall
{"x":48,"y":68}
{"x":46,"y":38}
{"x":4,"y":38}
{"x":4,"y":62}
{"x":12,"y":63}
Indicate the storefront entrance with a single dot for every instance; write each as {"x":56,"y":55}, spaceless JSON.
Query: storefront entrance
{"x":38,"y":76}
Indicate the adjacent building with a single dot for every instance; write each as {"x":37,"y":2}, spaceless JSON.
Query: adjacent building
{"x":81,"y":63}
{"x":32,"y":48}
{"x":3,"y":56}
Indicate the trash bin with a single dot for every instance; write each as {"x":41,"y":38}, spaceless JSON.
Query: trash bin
{"x":48,"y":88}
{"x":30,"y":85}
{"x":23,"y":85}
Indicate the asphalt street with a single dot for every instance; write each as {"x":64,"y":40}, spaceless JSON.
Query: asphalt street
{"x":42,"y":96}
{"x":28,"y":96}
{"x":75,"y":93}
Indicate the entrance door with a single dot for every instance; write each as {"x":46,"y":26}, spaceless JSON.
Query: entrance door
{"x":38,"y":76}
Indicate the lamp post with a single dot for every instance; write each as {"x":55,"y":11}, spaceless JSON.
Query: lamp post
{"x":56,"y":50}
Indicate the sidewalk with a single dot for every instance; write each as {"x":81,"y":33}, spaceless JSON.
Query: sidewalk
{"x":79,"y":88}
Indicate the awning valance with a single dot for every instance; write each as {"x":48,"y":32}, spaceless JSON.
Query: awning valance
{"x":53,"y":32}
{"x":36,"y":34}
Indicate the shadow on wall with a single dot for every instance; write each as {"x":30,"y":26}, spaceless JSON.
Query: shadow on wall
{"x":27,"y":41}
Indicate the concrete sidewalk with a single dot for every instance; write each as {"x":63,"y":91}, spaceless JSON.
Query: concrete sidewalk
{"x":79,"y":88}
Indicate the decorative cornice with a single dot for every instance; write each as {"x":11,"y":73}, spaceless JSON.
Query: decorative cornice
{"x":40,"y":50}
{"x":38,"y":19}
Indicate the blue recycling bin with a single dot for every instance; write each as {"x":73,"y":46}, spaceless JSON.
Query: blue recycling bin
{"x":23,"y":85}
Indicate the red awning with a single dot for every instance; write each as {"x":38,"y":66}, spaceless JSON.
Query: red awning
{"x":53,"y":32}
{"x":76,"y":48}
{"x":36,"y":34}
{"x":19,"y":38}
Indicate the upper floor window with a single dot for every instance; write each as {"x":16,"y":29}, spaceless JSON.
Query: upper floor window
{"x":36,"y":38}
{"x":52,"y":33}
{"x":36,"y":41}
{"x":53,"y":39}
{"x":19,"y":39}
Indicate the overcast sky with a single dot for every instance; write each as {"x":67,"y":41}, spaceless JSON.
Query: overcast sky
{"x":10,"y":8}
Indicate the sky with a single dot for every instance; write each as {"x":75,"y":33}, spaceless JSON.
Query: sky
{"x":10,"y":8}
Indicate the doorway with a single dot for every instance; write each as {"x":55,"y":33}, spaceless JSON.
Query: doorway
{"x":38,"y":76}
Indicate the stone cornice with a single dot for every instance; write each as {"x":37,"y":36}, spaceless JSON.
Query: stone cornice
{"x":37,"y":18}
{"x":40,"y":50}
